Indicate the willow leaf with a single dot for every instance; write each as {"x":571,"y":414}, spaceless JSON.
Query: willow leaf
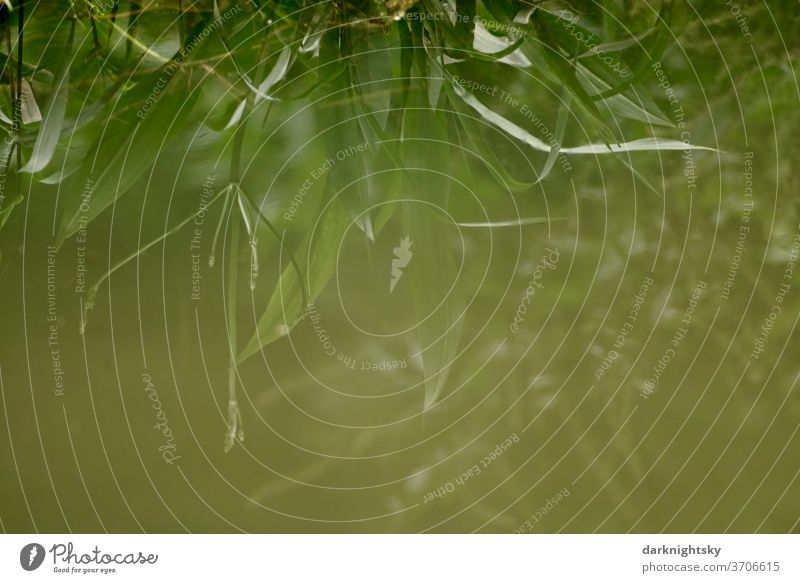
{"x":642,"y":145}
{"x":512,"y":129}
{"x":432,"y":273}
{"x":318,"y":254}
{"x":153,"y":133}
{"x":56,"y":106}
{"x":437,"y":304}
{"x":276,"y":74}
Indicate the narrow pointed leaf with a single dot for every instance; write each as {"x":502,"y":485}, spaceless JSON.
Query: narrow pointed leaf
{"x":317,"y":256}
{"x":56,"y":106}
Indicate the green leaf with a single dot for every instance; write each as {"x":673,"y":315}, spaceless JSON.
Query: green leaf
{"x":619,"y":104}
{"x":437,"y":298}
{"x":6,"y":150}
{"x":465,"y":21}
{"x":317,"y":253}
{"x":344,"y":133}
{"x":30,"y":108}
{"x":56,"y":106}
{"x":643,"y":145}
{"x":71,"y":163}
{"x":519,"y":222}
{"x":512,"y":129}
{"x":500,"y":49}
{"x":154,"y":131}
{"x":561,"y":126}
{"x":433,"y":268}
{"x":276,"y":74}
{"x":372,"y":75}
{"x":651,"y":47}
{"x":563,"y":69}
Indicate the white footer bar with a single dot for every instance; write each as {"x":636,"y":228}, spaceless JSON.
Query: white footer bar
{"x":400,"y":558}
